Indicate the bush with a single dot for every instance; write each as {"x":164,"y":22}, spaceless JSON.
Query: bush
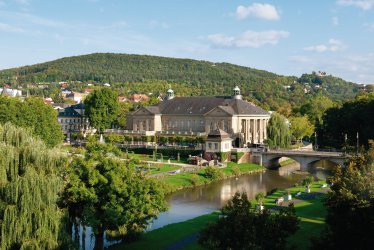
{"x":194,"y":179}
{"x":212,"y":173}
{"x":236,"y":170}
{"x":113,"y":138}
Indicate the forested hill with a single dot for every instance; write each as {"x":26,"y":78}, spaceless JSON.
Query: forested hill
{"x":141,"y":73}
{"x":107,"y":67}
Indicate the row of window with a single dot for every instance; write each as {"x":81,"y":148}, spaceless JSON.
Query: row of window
{"x":71,"y":120}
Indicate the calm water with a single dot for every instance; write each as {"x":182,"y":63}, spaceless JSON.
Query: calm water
{"x":190,"y":203}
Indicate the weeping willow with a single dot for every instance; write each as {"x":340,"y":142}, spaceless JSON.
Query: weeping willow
{"x":278,"y":131}
{"x":29,"y":188}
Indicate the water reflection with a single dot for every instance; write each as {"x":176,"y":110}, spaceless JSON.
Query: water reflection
{"x":190,"y":203}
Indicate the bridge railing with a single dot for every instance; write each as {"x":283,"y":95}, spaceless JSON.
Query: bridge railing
{"x":294,"y":152}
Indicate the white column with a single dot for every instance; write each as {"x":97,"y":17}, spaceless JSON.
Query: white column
{"x":255,"y":130}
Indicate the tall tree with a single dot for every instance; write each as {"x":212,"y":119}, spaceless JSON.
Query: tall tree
{"x":123,"y":109}
{"x":278,"y":131}
{"x":101,"y":108}
{"x":244,"y":227}
{"x":109,"y":195}
{"x":32,"y":113}
{"x":29,"y":188}
{"x":301,"y":126}
{"x":350,"y":206}
{"x":352,"y":117}
{"x":316,"y":107}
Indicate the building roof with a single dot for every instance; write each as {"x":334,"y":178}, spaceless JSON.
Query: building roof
{"x":71,"y":111}
{"x":218,"y":134}
{"x":200,"y":105}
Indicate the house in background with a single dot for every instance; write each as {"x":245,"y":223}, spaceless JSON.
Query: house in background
{"x":76,"y":96}
{"x":72,"y":120}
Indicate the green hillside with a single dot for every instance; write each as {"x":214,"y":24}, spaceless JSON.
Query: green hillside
{"x":141,"y":73}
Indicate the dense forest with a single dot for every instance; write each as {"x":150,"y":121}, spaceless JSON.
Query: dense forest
{"x":152,"y":74}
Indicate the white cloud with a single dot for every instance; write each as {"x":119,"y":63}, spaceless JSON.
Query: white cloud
{"x":333,"y":45}
{"x":335,"y":21}
{"x":257,"y":10}
{"x":222,"y":40}
{"x":363,"y":4}
{"x":249,"y":39}
{"x":10,"y":28}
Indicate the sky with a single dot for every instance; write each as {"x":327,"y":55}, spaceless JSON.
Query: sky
{"x":287,"y":37}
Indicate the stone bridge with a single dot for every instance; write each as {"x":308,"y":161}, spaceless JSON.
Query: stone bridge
{"x":270,"y":158}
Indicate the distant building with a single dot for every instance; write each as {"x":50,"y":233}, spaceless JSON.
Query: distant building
{"x":48,"y":100}
{"x":139,"y":98}
{"x":72,"y":120}
{"x":244,"y":122}
{"x":76,"y":96}
{"x":11,"y":92}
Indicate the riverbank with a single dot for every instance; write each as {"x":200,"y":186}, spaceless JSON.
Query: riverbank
{"x":183,"y":235}
{"x":183,"y":180}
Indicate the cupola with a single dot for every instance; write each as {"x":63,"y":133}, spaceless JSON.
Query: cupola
{"x":236,"y":93}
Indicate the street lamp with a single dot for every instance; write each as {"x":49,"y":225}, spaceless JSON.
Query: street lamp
{"x":357,"y":144}
{"x":315,"y":142}
{"x":345,"y":144}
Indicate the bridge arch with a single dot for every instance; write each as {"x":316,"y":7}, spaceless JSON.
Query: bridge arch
{"x":270,"y":158}
{"x":275,"y":163}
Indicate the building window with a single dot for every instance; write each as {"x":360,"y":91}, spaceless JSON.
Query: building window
{"x":215,"y":146}
{"x":210,"y":145}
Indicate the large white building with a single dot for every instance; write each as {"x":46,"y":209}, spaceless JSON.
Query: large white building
{"x":243,"y":121}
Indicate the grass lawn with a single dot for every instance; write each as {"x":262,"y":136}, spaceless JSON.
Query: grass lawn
{"x":286,"y":162}
{"x":184,"y":180}
{"x":311,"y":213}
{"x":167,"y":235}
{"x":312,"y":222}
{"x":145,"y":157}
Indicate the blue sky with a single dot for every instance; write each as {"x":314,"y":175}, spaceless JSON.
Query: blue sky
{"x":287,"y":37}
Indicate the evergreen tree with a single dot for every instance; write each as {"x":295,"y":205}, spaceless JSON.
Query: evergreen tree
{"x":278,"y":131}
{"x":29,"y":188}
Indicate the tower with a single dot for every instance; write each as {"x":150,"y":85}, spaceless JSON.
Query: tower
{"x":236,"y":93}
{"x":170,"y":94}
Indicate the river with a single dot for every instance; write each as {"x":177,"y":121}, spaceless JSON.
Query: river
{"x":190,"y":203}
